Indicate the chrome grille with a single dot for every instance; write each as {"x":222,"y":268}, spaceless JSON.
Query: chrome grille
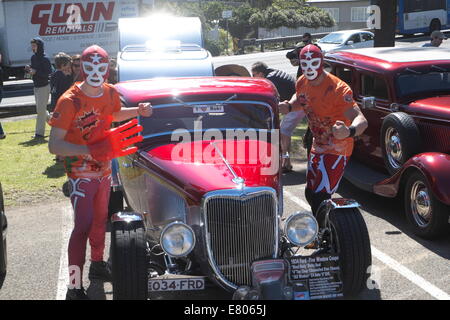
{"x":240,"y":230}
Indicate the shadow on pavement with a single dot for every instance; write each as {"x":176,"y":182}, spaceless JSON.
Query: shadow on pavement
{"x":55,"y":171}
{"x":391,"y":210}
{"x":295,"y":177}
{"x":33,"y":142}
{"x":96,"y":290}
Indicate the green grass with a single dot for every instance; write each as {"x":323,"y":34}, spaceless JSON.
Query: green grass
{"x":297,"y":150}
{"x":28,"y":172}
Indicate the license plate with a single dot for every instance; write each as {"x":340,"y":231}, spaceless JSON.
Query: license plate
{"x":176,"y":284}
{"x":217,"y":108}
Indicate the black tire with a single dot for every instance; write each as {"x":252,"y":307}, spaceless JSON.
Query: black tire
{"x":3,"y":247}
{"x":353,"y":247}
{"x":115,"y":202}
{"x":400,"y":140}
{"x":129,"y":262}
{"x":435,"y":25}
{"x":427,"y":216}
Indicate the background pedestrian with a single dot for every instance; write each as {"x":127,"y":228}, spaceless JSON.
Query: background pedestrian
{"x":285,"y":85}
{"x":40,"y":70}
{"x":61,"y":79}
{"x":436,"y":39}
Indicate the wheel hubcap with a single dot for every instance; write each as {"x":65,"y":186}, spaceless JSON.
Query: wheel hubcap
{"x":421,"y":204}
{"x":393,"y":148}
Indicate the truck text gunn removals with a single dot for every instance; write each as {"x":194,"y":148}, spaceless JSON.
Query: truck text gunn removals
{"x":64,"y":25}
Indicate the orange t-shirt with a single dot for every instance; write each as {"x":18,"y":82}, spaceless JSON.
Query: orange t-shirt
{"x":324,"y":105}
{"x":79,"y":114}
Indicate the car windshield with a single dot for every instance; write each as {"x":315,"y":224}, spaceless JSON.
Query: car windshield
{"x":207,"y":115}
{"x":412,"y":84}
{"x":335,"y":38}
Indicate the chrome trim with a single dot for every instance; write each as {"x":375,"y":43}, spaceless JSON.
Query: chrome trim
{"x":420,"y":203}
{"x":292,"y":216}
{"x":368,"y":103}
{"x":341,"y":203}
{"x":393,"y":148}
{"x":187,"y":227}
{"x":245,"y":193}
{"x":237,"y":180}
{"x":332,"y":204}
{"x":126,"y":217}
{"x":394,"y":107}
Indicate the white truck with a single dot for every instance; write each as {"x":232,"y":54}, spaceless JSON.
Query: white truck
{"x":64,"y":25}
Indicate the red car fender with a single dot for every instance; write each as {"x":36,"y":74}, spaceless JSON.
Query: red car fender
{"x":433,"y":165}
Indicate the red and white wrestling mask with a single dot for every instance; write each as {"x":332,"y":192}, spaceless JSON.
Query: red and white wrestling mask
{"x":95,"y":66}
{"x":311,"y":62}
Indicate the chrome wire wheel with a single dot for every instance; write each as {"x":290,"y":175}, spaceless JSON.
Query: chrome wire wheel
{"x":394,"y":151}
{"x":420,"y":202}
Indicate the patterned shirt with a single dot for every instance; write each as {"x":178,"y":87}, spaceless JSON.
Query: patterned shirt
{"x":79,"y":114}
{"x":324,"y":105}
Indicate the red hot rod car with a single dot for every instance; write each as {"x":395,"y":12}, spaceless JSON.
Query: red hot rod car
{"x":405,"y":95}
{"x":205,"y":194}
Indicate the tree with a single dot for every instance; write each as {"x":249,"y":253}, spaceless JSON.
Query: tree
{"x":273,"y":17}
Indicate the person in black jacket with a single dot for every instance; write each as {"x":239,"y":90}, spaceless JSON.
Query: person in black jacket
{"x":40,"y":70}
{"x":2,"y":133}
{"x":61,"y":79}
{"x":285,"y":85}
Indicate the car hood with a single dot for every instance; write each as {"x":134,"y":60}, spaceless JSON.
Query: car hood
{"x":327,"y":47}
{"x":197,"y":167}
{"x":436,"y":107}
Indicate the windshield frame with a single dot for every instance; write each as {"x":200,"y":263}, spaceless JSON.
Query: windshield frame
{"x":210,"y":102}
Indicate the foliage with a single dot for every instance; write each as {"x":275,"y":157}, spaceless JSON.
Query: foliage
{"x":238,"y":25}
{"x":274,"y":17}
{"x":252,"y":14}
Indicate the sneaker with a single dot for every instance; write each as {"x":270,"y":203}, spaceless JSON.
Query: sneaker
{"x":76,"y":294}
{"x":100,"y":270}
{"x":2,"y":136}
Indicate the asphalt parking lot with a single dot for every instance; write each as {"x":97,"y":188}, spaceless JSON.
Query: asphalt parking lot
{"x":405,"y":267}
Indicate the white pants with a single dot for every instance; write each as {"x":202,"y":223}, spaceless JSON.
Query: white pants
{"x":41,"y":95}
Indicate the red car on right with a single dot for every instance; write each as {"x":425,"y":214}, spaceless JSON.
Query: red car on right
{"x":405,"y":95}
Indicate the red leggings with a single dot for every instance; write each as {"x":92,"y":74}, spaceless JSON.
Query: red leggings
{"x":325,"y":171}
{"x":90,"y":198}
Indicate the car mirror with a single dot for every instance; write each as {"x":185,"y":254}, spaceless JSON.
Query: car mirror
{"x":368,"y":103}
{"x":350,"y":42}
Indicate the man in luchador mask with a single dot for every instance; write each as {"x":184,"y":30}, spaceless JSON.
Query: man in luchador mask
{"x":81,"y":133}
{"x":334,"y":119}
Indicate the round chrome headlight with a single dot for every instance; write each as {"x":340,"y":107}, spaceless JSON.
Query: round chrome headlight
{"x":301,"y":228}
{"x":177,"y":239}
